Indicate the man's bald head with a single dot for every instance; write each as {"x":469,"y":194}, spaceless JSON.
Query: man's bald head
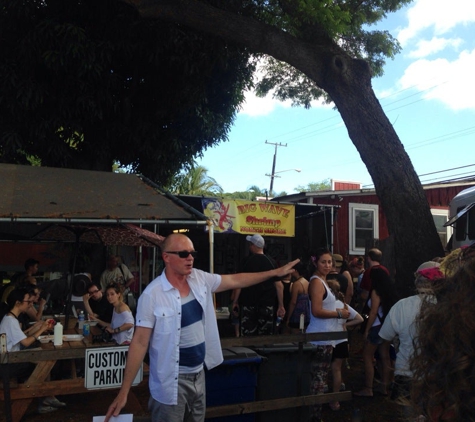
{"x":176,"y":241}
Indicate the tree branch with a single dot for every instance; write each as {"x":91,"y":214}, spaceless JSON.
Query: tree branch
{"x":311,"y":59}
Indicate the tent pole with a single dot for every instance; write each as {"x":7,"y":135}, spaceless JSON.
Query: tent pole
{"x":73,"y":270}
{"x":154,"y":255}
{"x":211,"y":246}
{"x":140,"y":270}
{"x":211,"y":252}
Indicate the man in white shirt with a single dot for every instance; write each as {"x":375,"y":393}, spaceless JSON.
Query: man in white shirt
{"x":176,"y":322}
{"x":401,"y":322}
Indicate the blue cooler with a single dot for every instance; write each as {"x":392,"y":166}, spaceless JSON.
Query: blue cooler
{"x":234,"y":381}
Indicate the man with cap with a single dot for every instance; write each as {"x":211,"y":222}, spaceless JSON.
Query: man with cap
{"x":401,"y":322}
{"x":257,"y":302}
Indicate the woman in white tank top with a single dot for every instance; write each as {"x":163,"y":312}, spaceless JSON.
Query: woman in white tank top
{"x":323,"y":318}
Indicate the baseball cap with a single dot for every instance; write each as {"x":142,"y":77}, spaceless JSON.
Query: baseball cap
{"x":338,"y":260}
{"x":428,"y":264}
{"x":256,"y":240}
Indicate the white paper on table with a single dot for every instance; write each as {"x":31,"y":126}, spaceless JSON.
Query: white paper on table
{"x":121,"y":418}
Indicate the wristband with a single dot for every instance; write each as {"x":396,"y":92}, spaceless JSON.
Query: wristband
{"x":338,"y":312}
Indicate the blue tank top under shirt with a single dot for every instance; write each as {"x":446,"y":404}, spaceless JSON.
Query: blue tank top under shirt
{"x":192,"y":337}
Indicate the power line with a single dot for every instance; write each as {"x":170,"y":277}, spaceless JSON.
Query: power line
{"x":443,"y":171}
{"x":438,"y":172}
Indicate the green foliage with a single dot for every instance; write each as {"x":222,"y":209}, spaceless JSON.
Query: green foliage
{"x":252,"y":193}
{"x":195,"y":181}
{"x":320,"y":22}
{"x":314,"y":186}
{"x":87,"y":83}
{"x":249,"y":195}
{"x":287,"y":83}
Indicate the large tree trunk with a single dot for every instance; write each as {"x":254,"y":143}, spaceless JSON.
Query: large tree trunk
{"x":348,"y":82}
{"x":397,"y":185}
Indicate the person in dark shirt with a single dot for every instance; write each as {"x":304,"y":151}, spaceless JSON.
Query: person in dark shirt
{"x":257,"y":302}
{"x":98,"y":304}
{"x":373,"y":266}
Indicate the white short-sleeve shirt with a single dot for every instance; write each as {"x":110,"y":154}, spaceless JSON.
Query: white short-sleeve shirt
{"x":159,"y":308}
{"x":11,"y":327}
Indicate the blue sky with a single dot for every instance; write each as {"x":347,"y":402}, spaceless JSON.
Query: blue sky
{"x":427,"y":92}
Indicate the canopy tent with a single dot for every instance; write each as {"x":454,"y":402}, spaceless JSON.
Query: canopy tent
{"x":43,"y":194}
{"x":33,"y":198}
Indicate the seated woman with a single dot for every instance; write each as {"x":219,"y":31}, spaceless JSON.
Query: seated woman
{"x":18,"y":303}
{"x":122,"y":325}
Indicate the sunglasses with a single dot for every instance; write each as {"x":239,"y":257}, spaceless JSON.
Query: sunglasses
{"x":183,"y":254}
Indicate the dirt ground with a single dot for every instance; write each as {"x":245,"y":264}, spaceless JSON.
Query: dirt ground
{"x":82,"y":407}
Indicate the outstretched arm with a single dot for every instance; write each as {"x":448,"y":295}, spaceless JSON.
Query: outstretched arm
{"x":137,"y":350}
{"x":235,"y":281}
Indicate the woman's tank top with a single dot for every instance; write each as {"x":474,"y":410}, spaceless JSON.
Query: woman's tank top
{"x":323,"y":325}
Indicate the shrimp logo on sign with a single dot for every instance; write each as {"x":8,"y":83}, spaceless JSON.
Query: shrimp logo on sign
{"x":105,"y":368}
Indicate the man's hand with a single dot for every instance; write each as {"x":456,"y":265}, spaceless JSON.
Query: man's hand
{"x":116,"y":406}
{"x":281,"y":312}
{"x":287,"y":268}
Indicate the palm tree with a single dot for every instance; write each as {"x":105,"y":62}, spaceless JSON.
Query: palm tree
{"x":196,"y":181}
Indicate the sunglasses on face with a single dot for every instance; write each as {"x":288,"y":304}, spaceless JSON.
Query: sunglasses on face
{"x":183,"y":254}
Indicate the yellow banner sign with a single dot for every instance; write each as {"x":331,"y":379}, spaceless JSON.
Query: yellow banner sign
{"x":247,"y":217}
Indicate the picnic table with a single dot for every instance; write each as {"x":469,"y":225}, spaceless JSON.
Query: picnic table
{"x":19,"y":396}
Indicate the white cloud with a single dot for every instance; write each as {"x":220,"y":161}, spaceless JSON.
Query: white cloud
{"x":426,"y":48}
{"x":449,"y":82}
{"x":255,"y":106}
{"x":440,"y":14}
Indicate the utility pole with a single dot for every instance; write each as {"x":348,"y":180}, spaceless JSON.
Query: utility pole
{"x":272,"y":175}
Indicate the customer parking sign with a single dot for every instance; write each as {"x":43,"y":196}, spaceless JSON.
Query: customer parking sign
{"x":105,"y":368}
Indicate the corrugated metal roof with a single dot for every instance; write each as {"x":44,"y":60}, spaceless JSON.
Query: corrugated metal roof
{"x":55,"y":193}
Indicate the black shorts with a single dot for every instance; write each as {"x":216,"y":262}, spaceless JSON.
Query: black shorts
{"x":340,"y":351}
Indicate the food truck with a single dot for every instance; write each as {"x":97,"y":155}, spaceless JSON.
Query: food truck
{"x":462,"y":218}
